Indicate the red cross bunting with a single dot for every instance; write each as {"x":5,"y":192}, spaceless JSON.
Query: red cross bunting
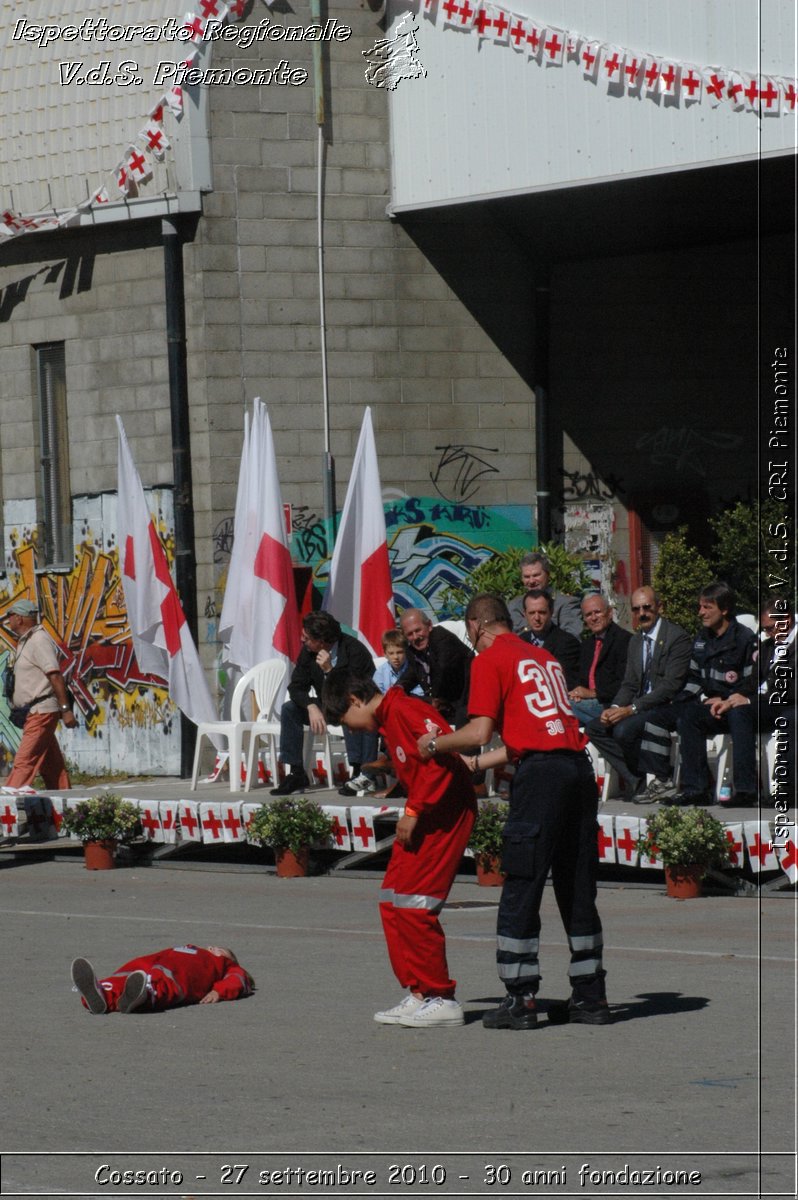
{"x":155,"y":138}
{"x":691,"y":82}
{"x":466,"y":13}
{"x":149,"y":824}
{"x":533,"y":38}
{"x":136,"y":162}
{"x":553,"y":46}
{"x":189,"y":821}
{"x":451,"y":7}
{"x":482,"y":21}
{"x":628,"y":844}
{"x":211,"y":821}
{"x":517,"y":33}
{"x":236,"y":8}
{"x":196,"y":29}
{"x":588,"y":58}
{"x":735,"y":847}
{"x":362,"y":831}
{"x":604,"y":841}
{"x":790,"y":96}
{"x":790,"y":859}
{"x":210,"y":8}
{"x":501,"y":23}
{"x":668,"y":77}
{"x":232,"y":822}
{"x":735,"y":90}
{"x":758,"y":849}
{"x":611,"y":65}
{"x":751,"y":93}
{"x":652,"y":74}
{"x":632,"y":70}
{"x":716,"y":86}
{"x":157,"y":114}
{"x":8,"y":819}
{"x":168,"y":819}
{"x":769,"y":95}
{"x":339,"y":831}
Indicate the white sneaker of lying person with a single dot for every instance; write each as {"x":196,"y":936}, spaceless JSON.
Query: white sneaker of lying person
{"x":360,"y":785}
{"x":436,"y":1010}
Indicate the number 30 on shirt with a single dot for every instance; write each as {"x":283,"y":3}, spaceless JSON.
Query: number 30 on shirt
{"x":545,"y":692}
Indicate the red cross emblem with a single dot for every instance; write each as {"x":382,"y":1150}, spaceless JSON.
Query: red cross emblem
{"x":481,"y":21}
{"x":751,"y":93}
{"x":588,"y":58}
{"x":211,"y":822}
{"x":735,"y":89}
{"x":517,"y":33}
{"x":189,"y":821}
{"x":604,"y":841}
{"x":716,"y":86}
{"x":150,"y":824}
{"x":790,"y":859}
{"x":172,"y":614}
{"x":611,"y":65}
{"x":790,"y":96}
{"x":154,"y":139}
{"x":628,"y":844}
{"x":232,"y":822}
{"x":157,"y":114}
{"x":363,"y":832}
{"x":8,"y":819}
{"x":652,"y":74}
{"x":168,"y":819}
{"x":501,"y":23}
{"x":668,"y":78}
{"x":210,"y":8}
{"x":533,"y":38}
{"x":196,"y":29}
{"x":735,"y":848}
{"x":339,"y":831}
{"x":631,"y":71}
{"x":466,"y":12}
{"x":237,"y":7}
{"x":770,"y":94}
{"x":136,"y":162}
{"x":759,"y":849}
{"x":691,"y":82}
{"x":451,"y":7}
{"x":553,"y":46}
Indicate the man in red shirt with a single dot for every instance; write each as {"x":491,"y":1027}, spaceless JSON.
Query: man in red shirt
{"x":519,"y":691}
{"x":431,"y":837}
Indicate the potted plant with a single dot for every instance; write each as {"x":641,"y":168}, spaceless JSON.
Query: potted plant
{"x":687,"y":841}
{"x":101,"y":823}
{"x":290,"y":826}
{"x":486,"y":842}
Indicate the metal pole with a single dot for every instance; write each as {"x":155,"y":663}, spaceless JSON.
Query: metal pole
{"x":185,"y":556}
{"x":541,"y":387}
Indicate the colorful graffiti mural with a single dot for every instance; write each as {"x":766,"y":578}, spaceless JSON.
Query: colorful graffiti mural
{"x":125,"y":718}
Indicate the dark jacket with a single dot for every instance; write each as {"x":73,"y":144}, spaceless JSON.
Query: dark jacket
{"x":351,"y":655}
{"x":446,"y":685}
{"x":565,"y":648}
{"x":670,"y":663}
{"x":725,"y":664}
{"x":611,"y":665}
{"x":566,"y":612}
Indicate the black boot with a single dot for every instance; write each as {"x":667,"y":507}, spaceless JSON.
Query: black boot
{"x":514,"y":1012}
{"x":588,"y":1003}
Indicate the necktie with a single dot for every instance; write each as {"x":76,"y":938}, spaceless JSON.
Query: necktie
{"x":647,"y":655}
{"x":591,"y":675}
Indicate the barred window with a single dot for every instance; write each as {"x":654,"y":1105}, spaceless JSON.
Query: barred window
{"x":55,"y":513}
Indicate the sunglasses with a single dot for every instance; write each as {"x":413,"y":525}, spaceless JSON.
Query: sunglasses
{"x":642,"y":607}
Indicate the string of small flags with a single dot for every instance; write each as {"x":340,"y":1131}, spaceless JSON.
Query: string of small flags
{"x":135,"y":167}
{"x":622,"y":71}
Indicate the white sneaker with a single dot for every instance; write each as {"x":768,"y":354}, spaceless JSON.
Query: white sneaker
{"x":436,"y":1010}
{"x":393,"y":1016}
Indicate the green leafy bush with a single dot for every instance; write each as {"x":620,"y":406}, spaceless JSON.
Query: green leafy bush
{"x":486,"y":837}
{"x":290,"y":824}
{"x":685,"y":837}
{"x":745,"y":537}
{"x":501,"y":576}
{"x":103,"y":818}
{"x":680,"y":574}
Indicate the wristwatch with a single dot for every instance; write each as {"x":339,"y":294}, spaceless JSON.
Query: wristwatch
{"x":432,"y":745}
{"x":634,"y":709}
{"x":64,"y":708}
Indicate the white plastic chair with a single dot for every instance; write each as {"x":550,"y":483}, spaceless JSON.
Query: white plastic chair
{"x":264,"y":681}
{"x":265,"y":688}
{"x":319,"y":746}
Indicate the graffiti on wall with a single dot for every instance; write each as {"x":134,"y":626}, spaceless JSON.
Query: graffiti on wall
{"x":125,"y":718}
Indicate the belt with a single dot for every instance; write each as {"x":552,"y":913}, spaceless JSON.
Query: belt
{"x":548,"y":754}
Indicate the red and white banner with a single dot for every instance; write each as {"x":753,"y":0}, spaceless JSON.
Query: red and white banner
{"x":761,"y":854}
{"x":606,"y":841}
{"x":232,"y":829}
{"x":363,"y":835}
{"x":150,"y":818}
{"x":627,"y":831}
{"x":169,"y":812}
{"x":340,"y":835}
{"x":260,"y":618}
{"x":161,"y":637}
{"x":211,"y":822}
{"x":787,"y":854}
{"x":190,"y":830}
{"x":360,"y":591}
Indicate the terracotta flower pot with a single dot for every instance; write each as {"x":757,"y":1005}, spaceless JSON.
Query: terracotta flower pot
{"x":684,"y":882}
{"x":489,"y":873}
{"x":100,"y":856}
{"x":290,"y":865}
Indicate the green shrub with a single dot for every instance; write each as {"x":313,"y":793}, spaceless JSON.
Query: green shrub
{"x":290,"y":824}
{"x":486,"y":837}
{"x":680,"y":574}
{"x":501,"y":576}
{"x":685,"y":837}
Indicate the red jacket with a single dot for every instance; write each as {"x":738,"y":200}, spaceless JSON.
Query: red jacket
{"x":196,"y":972}
{"x":403,"y":719}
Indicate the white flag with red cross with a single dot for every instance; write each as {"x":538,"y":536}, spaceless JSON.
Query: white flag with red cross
{"x":634,"y":73}
{"x":669,"y":75}
{"x":789,"y":94}
{"x":248,"y":810}
{"x":194,"y":28}
{"x":173,"y":99}
{"x":716,"y":84}
{"x":735,"y":90}
{"x":139,"y":167}
{"x":190,"y":828}
{"x":612,"y":64}
{"x":606,"y":841}
{"x":169,"y":813}
{"x":150,"y":820}
{"x":692,"y":84}
{"x":362,"y":823}
{"x":57,"y":815}
{"x":786,"y":848}
{"x":500,"y":27}
{"x":232,"y":830}
{"x":211,"y":823}
{"x":9,"y":819}
{"x":161,"y":637}
{"x":518,"y":32}
{"x":769,"y":97}
{"x":340,"y":834}
{"x":260,"y":617}
{"x":651,"y":75}
{"x":451,"y":14}
{"x":236,"y":10}
{"x":214,"y":10}
{"x":360,"y":591}
{"x":155,"y":140}
{"x":761,"y":854}
{"x":554,"y":47}
{"x":589,"y":59}
{"x":627,"y":831}
{"x":734,"y":837}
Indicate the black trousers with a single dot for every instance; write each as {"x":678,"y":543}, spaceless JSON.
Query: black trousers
{"x":552,"y":826}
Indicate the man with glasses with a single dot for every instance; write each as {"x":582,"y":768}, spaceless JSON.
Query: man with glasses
{"x":602,"y":661}
{"x":657,"y":663}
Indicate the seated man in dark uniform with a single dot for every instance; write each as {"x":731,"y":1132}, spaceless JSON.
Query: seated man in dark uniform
{"x":544,"y":632}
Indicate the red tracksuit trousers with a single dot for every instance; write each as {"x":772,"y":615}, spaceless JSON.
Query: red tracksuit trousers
{"x":416,"y":884}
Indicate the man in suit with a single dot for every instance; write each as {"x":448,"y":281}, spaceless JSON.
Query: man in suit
{"x":777,"y":665}
{"x":439,"y":663}
{"x":602,"y":659}
{"x":536,"y":573}
{"x":544,"y":632}
{"x":657,"y":663}
{"x":324,"y":646}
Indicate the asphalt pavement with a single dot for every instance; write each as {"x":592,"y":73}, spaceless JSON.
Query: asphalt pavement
{"x":297,"y":1091}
